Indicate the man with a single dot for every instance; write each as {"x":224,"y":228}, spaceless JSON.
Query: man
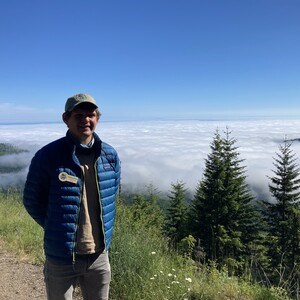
{"x":70,"y":191}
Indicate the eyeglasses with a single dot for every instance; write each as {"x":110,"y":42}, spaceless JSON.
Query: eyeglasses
{"x":84,"y":115}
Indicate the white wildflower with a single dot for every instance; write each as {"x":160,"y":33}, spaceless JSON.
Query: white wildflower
{"x":189,"y":279}
{"x":153,"y":252}
{"x":170,"y":274}
{"x":152,"y":278}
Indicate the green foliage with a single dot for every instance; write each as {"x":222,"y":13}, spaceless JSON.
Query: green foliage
{"x":143,"y":266}
{"x":148,"y":204}
{"x":187,"y":245}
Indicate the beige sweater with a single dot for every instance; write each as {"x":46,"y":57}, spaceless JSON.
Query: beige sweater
{"x":90,"y":234}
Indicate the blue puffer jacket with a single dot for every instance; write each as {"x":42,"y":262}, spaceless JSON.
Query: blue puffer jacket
{"x":53,"y":189}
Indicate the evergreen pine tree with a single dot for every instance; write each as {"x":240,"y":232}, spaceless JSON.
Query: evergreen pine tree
{"x":240,"y":217}
{"x":177,"y":213}
{"x":208,"y":197}
{"x":223,"y":214}
{"x":282,"y":215}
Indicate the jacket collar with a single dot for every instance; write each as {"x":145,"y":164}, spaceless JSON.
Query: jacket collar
{"x":73,"y":143}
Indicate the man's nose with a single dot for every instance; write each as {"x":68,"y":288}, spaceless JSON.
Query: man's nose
{"x":84,"y":118}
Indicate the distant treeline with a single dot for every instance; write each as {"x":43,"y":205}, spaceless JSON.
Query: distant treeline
{"x":8,"y":167}
{"x":6,"y":149}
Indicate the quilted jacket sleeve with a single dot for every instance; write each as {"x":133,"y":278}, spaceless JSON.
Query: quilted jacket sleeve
{"x":35,"y":196}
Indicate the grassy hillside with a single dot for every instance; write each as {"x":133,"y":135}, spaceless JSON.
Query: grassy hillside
{"x":143,"y":266}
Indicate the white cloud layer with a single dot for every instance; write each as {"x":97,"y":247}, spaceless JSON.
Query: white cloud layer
{"x":162,"y":152}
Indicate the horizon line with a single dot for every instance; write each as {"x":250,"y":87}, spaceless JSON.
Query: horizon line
{"x":212,"y":119}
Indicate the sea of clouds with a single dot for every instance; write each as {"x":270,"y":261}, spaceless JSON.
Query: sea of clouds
{"x":164,"y":152}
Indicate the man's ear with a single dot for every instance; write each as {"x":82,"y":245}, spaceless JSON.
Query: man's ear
{"x":65,"y":118}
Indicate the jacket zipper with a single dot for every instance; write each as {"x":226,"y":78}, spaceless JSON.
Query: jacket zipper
{"x":77,"y":219}
{"x":100,"y":202}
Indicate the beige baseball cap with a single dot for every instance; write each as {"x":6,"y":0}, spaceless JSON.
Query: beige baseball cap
{"x":77,"y":99}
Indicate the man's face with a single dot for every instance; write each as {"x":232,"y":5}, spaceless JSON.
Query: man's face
{"x":82,"y":123}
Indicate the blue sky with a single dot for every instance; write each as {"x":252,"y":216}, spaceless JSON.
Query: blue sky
{"x":155,"y":59}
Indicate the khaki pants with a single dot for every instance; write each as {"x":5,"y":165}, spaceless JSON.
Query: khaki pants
{"x":91,"y":271}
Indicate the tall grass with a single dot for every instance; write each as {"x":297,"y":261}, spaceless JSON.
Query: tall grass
{"x":143,"y":266}
{"x":18,"y":231}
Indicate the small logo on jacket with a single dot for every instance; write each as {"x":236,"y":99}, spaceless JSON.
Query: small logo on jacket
{"x":107,"y":167}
